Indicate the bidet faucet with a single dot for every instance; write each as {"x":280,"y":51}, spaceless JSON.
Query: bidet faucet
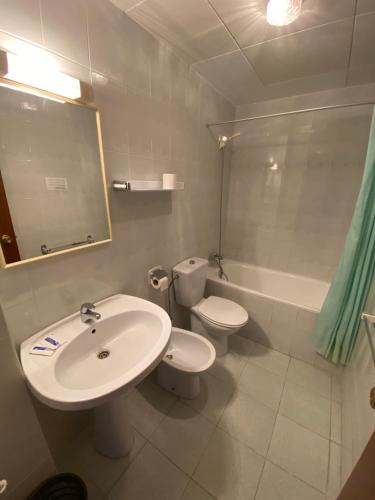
{"x":87,"y":312}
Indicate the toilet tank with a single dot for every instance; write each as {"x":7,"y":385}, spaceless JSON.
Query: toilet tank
{"x":191,"y":282}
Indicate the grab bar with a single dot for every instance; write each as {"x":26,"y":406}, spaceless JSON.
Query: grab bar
{"x":369,"y":320}
{"x":45,"y":250}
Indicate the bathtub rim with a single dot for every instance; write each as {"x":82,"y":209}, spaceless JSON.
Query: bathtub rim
{"x":231,"y":284}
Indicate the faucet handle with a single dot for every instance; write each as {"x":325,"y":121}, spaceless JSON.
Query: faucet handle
{"x":215,"y":257}
{"x":87,"y":306}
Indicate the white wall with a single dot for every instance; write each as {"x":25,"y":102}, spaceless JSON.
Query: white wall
{"x":154,"y":110}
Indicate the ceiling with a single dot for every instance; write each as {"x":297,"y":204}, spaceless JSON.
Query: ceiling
{"x":331,"y":45}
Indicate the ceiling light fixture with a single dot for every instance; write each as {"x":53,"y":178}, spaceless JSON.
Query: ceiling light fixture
{"x":283,"y":12}
{"x":37,"y":74}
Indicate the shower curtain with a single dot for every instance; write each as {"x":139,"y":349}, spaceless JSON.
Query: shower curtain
{"x":337,"y":327}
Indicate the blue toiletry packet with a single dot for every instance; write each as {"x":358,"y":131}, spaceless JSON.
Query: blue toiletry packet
{"x":52,"y":341}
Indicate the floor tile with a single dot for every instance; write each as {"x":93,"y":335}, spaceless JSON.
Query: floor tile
{"x":84,"y":460}
{"x":195,"y":492}
{"x":309,"y":377}
{"x":336,"y":422}
{"x":262,"y":385}
{"x":147,"y":406}
{"x":328,"y":366}
{"x":336,"y":389}
{"x":213,"y":398}
{"x":249,"y":421}
{"x":300,"y":452}
{"x":334,"y":473}
{"x":274,"y":361}
{"x":228,"y":469}
{"x":151,"y":476}
{"x":228,"y":367}
{"x":276,"y":484}
{"x":347,"y":464}
{"x":182,"y":436}
{"x":93,"y":492}
{"x":306,"y":408}
{"x":242,"y":346}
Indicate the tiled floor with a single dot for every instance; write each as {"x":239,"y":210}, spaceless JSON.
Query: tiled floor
{"x":265,"y":427}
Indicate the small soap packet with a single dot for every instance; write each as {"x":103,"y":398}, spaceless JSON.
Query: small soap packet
{"x":51,"y":342}
{"x":41,"y":350}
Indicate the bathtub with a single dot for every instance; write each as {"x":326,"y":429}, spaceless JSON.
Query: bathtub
{"x":282,"y":307}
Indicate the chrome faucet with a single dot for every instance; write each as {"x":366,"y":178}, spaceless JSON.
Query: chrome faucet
{"x":87,"y":312}
{"x":216,"y":258}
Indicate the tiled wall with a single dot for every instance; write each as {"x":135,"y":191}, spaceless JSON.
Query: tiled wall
{"x":357,"y":415}
{"x":24,"y":455}
{"x":154,"y":110}
{"x":294,"y":182}
{"x":40,"y":138}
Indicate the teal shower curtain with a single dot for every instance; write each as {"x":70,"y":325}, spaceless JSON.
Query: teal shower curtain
{"x":337,"y":327}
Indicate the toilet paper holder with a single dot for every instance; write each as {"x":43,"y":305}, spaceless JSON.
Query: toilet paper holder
{"x":158,"y":278}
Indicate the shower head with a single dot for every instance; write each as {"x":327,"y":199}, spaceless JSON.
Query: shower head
{"x":223,"y":139}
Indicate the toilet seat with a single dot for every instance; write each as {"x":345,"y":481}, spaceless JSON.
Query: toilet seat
{"x":222,"y":312}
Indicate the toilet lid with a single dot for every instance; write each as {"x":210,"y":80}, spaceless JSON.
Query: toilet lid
{"x":223,"y":312}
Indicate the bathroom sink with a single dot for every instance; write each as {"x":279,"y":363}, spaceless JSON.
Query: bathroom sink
{"x":100,"y":360}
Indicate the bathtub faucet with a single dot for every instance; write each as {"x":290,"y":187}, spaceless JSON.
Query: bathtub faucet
{"x":217,"y":258}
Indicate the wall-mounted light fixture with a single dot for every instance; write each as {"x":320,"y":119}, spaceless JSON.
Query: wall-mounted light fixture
{"x":17,"y":71}
{"x":283,"y":12}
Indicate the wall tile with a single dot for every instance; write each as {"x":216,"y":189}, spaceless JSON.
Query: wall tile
{"x":295,"y":219}
{"x":139,"y":85}
{"x":65,"y":28}
{"x":111,"y":100}
{"x":16,"y":410}
{"x":21,"y":18}
{"x":107,"y":39}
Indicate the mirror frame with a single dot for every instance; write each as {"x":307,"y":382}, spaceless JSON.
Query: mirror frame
{"x":86,"y":101}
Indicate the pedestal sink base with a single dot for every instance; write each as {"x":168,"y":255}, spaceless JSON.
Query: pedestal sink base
{"x":114,"y":436}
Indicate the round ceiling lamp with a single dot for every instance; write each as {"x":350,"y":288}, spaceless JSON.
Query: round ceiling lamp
{"x":283,"y":12}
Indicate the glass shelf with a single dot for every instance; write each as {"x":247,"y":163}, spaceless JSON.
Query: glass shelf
{"x":134,"y":185}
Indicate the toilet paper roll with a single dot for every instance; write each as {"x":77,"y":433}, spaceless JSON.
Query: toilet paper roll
{"x":159,"y":284}
{"x":169,"y":181}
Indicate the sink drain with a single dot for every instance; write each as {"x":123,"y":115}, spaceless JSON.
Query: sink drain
{"x":103,"y":354}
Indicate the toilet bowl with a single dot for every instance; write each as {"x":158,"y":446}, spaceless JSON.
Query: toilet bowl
{"x":188,"y":355}
{"x":216,"y":318}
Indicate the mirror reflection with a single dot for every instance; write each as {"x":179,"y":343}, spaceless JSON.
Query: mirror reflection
{"x":52,"y":190}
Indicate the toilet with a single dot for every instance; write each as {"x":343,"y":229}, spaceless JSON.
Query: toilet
{"x":188,"y":356}
{"x":213,"y":317}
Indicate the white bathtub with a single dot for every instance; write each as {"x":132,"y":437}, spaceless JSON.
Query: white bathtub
{"x":293,"y":289}
{"x":282,"y":307}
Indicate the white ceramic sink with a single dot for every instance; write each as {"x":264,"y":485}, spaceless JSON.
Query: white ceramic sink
{"x":132,"y":333}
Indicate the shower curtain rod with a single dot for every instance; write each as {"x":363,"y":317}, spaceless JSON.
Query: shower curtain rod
{"x":296,"y":112}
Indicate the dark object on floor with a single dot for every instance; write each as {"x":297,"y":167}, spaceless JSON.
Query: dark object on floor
{"x":61,"y":487}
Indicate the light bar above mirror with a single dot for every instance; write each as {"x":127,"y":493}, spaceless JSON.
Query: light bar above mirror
{"x":40,"y":78}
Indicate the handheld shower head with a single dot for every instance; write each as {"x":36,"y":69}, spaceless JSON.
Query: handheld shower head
{"x":223,"y":139}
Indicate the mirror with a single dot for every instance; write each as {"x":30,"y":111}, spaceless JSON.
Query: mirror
{"x":53,"y":195}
